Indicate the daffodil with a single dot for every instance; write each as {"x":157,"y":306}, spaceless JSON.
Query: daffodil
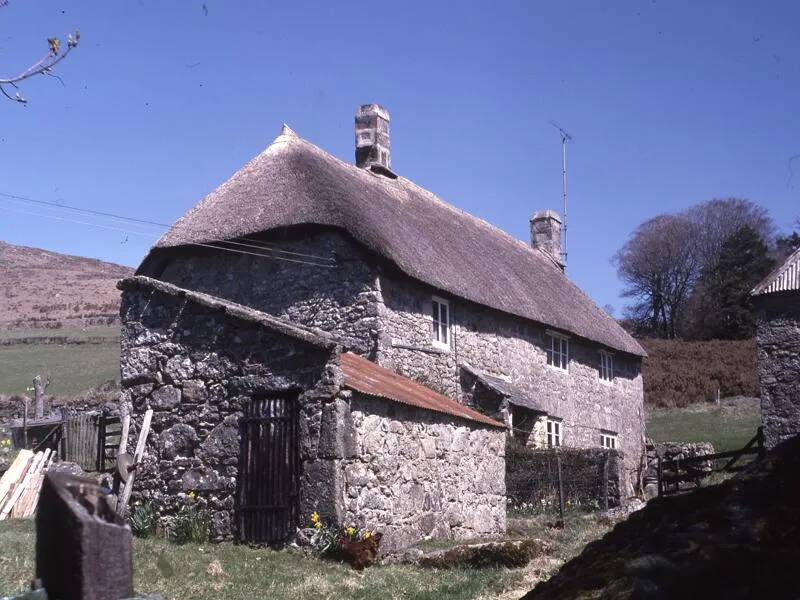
{"x":351,"y":531}
{"x":367,"y":535}
{"x":317,"y":525}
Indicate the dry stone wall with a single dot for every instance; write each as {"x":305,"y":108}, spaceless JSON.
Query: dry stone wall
{"x":509,"y":347}
{"x":778,"y":334}
{"x":417,"y":474}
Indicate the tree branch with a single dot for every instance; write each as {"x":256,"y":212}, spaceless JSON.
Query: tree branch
{"x":44,"y":66}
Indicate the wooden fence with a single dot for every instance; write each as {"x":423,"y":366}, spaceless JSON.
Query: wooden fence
{"x":79,"y":439}
{"x":678,"y":472}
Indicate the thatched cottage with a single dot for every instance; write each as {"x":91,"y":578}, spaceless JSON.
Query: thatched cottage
{"x":403,"y":338}
{"x":777,"y":301}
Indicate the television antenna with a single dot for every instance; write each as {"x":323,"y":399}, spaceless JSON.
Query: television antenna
{"x":565,"y":137}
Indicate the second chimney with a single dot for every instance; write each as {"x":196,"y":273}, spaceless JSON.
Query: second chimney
{"x":372,"y":137}
{"x":546,"y":234}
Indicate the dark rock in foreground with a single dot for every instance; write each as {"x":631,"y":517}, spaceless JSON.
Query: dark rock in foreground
{"x":737,"y":540}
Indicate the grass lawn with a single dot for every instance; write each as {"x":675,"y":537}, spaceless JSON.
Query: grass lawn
{"x":728,"y":426}
{"x":182,"y":572}
{"x":73,"y":368}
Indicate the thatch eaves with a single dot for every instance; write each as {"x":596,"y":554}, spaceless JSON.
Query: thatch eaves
{"x":293,"y":182}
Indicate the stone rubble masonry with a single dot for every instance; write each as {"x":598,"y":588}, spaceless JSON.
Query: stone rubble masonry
{"x":778,"y":336}
{"x":418,"y":475}
{"x":509,"y":347}
{"x":386,"y":315}
{"x":196,"y":366}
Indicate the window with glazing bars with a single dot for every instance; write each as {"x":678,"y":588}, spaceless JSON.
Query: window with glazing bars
{"x":557,"y":347}
{"x":441,"y":321}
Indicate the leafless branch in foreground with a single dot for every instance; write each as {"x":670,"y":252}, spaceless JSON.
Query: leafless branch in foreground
{"x":43,"y":66}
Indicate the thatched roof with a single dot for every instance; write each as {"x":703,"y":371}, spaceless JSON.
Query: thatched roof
{"x":294,"y":183}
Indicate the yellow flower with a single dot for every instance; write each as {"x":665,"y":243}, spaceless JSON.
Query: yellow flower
{"x":191,"y":496}
{"x":317,"y":525}
{"x":367,"y":535}
{"x":351,"y":531}
{"x":315,"y":517}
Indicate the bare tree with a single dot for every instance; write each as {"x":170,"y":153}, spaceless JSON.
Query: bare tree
{"x":659,"y":266}
{"x":44,"y":66}
{"x":719,"y":219}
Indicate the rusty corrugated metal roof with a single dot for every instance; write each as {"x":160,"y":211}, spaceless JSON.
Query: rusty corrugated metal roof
{"x":366,"y":377}
{"x":783,"y":279}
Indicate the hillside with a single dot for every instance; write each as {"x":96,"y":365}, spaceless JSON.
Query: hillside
{"x":47,"y":290}
{"x":679,"y":373}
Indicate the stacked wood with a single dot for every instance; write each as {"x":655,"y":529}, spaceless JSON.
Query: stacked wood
{"x":21,"y":484}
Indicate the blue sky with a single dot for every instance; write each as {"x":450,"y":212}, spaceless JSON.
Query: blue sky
{"x":670,"y":104}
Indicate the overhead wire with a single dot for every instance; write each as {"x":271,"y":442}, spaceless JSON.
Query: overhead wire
{"x":220,"y":245}
{"x":328,"y":262}
{"x":258,"y":244}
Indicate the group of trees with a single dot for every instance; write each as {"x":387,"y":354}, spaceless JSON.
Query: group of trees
{"x":690,"y":274}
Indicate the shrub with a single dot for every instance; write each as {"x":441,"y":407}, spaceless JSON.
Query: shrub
{"x":191,"y":524}
{"x":677,"y":373}
{"x":143,"y":520}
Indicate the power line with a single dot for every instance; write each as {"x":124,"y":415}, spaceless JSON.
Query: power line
{"x":254,"y":244}
{"x":211,"y":245}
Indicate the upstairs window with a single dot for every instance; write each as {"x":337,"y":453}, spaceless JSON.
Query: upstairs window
{"x":441,"y":322}
{"x":553,"y":433}
{"x":608,"y":440}
{"x":606,"y":366}
{"x":557,"y":347}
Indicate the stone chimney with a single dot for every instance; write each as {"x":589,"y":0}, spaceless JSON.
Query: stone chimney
{"x":372,"y":137}
{"x":546,"y":234}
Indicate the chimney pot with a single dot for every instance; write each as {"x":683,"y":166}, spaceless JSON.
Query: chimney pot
{"x":373,"y":146}
{"x":546,"y":234}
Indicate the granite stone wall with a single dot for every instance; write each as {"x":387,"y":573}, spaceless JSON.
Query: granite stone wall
{"x":196,"y":368}
{"x":778,"y":334}
{"x":417,"y":474}
{"x":511,"y":348}
{"x":339,"y":296}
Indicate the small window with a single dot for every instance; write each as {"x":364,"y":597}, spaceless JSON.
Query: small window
{"x":557,"y":347}
{"x":608,"y":440}
{"x":441,"y":321}
{"x":606,"y":366}
{"x":553,"y":433}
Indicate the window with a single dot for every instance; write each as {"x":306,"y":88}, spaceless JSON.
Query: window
{"x":553,"y":433}
{"x":441,"y":322}
{"x":557,"y":347}
{"x":608,"y":440}
{"x":606,"y":366}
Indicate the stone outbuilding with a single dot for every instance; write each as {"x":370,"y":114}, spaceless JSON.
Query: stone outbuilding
{"x":777,"y":302}
{"x":268,"y":421}
{"x":321,"y":254}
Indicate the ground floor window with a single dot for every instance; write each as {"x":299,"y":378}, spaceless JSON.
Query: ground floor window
{"x":553,"y":433}
{"x":608,"y":440}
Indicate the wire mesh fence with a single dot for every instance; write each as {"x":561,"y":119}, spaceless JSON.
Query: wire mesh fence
{"x":558,"y":479}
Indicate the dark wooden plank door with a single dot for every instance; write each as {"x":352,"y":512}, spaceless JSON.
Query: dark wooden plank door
{"x":268,"y":470}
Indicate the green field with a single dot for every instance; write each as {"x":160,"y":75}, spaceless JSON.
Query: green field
{"x":728,"y":426}
{"x":72,"y":367}
{"x":228,"y":571}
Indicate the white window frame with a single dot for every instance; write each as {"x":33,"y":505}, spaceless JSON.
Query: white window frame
{"x":608,"y":440}
{"x":441,"y":329}
{"x":606,"y":370}
{"x":554,"y":432}
{"x":558,"y":358}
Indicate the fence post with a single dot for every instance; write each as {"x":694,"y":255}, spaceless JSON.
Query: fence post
{"x":560,"y":490}
{"x":605,"y":480}
{"x":64,"y":432}
{"x":660,"y":478}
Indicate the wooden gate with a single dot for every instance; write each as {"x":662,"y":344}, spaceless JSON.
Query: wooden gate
{"x":268,"y":470}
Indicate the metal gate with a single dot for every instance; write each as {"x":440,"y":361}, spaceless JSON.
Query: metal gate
{"x":268,"y":470}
